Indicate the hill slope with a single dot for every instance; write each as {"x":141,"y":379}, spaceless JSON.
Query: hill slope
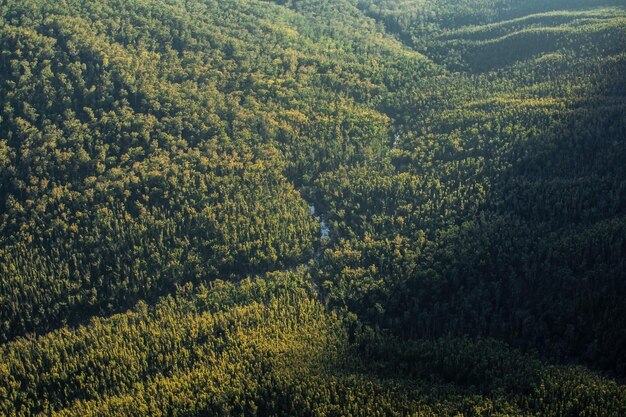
{"x":463,"y":159}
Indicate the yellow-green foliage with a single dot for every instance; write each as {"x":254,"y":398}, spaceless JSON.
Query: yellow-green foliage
{"x":439,"y":187}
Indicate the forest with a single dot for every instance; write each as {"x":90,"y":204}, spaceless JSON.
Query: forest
{"x":314,"y":208}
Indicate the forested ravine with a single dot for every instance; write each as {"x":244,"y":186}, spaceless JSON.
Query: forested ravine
{"x":312,"y":208}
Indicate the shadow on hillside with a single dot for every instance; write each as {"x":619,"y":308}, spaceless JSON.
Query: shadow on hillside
{"x":542,"y":266}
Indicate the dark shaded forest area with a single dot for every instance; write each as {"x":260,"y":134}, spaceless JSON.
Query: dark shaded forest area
{"x":159,"y":255}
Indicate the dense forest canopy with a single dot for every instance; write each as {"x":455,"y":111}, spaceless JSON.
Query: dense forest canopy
{"x":312,"y":208}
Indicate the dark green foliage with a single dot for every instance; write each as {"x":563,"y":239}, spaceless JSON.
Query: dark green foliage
{"x":266,"y":348}
{"x":466,"y":156}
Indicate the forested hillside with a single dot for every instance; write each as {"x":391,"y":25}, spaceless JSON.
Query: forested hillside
{"x":312,"y":208}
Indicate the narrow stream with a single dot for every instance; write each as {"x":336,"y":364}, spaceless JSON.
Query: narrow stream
{"x":324,"y":231}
